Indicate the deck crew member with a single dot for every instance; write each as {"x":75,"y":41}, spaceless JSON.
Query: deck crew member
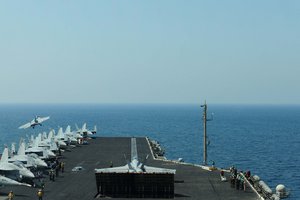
{"x":57,"y":169}
{"x":237,"y":182}
{"x":62,"y":167}
{"x":51,"y":174}
{"x":40,"y":194}
{"x":11,"y":195}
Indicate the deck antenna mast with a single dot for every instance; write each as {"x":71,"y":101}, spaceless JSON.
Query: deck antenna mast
{"x":205,"y":135}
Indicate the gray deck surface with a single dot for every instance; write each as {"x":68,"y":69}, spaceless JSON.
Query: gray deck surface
{"x":190,"y":182}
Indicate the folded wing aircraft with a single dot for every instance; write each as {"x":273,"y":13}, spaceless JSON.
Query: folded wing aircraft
{"x":13,"y":170}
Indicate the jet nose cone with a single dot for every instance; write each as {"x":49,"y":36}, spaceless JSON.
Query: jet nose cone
{"x":30,"y":174}
{"x":27,"y":173}
{"x":62,"y":144}
{"x":50,"y":153}
{"x":41,"y":163}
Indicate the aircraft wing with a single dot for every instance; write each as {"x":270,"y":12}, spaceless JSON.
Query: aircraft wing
{"x":5,"y":168}
{"x":126,"y":169}
{"x":159,"y":170}
{"x":122,"y":169}
{"x":27,"y":125}
{"x":42,"y":119}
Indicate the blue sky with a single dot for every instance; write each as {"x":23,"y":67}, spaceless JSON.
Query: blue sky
{"x":150,"y":51}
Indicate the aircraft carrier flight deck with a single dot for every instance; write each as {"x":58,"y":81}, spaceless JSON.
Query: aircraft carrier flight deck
{"x":190,"y":182}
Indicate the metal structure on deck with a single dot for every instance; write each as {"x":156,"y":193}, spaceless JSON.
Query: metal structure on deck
{"x":135,"y":185}
{"x":205,"y":132}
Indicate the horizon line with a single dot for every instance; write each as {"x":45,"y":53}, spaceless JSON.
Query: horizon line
{"x":126,"y":103}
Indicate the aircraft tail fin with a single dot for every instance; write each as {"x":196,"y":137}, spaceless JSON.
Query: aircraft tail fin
{"x":144,"y":162}
{"x":4,"y":157}
{"x":53,"y":145}
{"x":95,"y":130}
{"x":32,"y":139}
{"x":50,"y":135}
{"x":68,"y":129}
{"x":127,"y":161}
{"x":13,"y":148}
{"x":83,"y":127}
{"x":21,"y":150}
{"x":77,"y":127}
{"x":60,"y":133}
{"x":39,"y":137}
{"x":36,"y":142}
{"x":44,"y":135}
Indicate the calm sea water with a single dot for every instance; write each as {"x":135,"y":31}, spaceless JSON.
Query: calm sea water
{"x":263,"y":139}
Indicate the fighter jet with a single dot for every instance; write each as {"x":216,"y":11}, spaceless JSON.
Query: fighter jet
{"x":36,"y":121}
{"x":84,"y":131}
{"x":4,"y":181}
{"x":60,"y":139}
{"x":51,"y":140}
{"x":47,"y":142}
{"x":135,"y":166}
{"x":42,"y":152}
{"x":28,"y":160}
{"x":70,"y":136}
{"x":13,"y":170}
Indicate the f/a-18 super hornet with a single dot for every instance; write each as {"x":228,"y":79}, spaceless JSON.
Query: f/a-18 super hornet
{"x":28,"y":160}
{"x":42,"y":152}
{"x":13,"y":170}
{"x":36,"y":121}
{"x":84,"y":131}
{"x":4,"y":181}
{"x":135,"y":166}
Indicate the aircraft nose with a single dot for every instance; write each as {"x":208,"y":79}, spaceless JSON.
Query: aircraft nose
{"x":42,"y":163}
{"x":27,"y":173}
{"x":89,"y":133}
{"x":30,"y":174}
{"x":61,"y":143}
{"x":50,"y":153}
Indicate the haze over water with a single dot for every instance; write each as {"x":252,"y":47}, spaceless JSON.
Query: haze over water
{"x":261,"y":138}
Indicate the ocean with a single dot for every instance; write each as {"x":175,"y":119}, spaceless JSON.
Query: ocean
{"x":261,"y":138}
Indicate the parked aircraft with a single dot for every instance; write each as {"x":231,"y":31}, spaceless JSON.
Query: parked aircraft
{"x":84,"y":131}
{"x":71,"y":136}
{"x":4,"y":181}
{"x":13,"y":170}
{"x":47,"y":142}
{"x":60,"y":139}
{"x":135,"y":166}
{"x":42,"y":152}
{"x":28,"y":160}
{"x":36,"y":121}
